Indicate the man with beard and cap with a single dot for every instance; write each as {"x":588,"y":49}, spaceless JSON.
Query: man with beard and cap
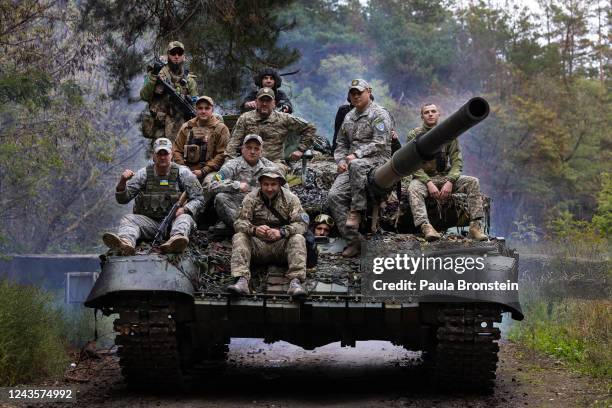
{"x":273,"y":127}
{"x":441,"y":177}
{"x":201,"y":142}
{"x":156,"y":188}
{"x":364,"y":142}
{"x":268,"y":78}
{"x":165,"y":119}
{"x":270,"y":229}
{"x":236,"y":178}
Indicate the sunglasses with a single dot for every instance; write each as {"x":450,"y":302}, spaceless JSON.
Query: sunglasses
{"x":324,"y":219}
{"x":176,"y":51}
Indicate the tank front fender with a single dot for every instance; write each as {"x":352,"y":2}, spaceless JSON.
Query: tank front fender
{"x":141,"y":273}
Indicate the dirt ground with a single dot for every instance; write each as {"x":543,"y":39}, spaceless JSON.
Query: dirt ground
{"x":372,"y":374}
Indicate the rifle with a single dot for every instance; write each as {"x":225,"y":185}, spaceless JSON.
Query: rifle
{"x":164,"y":227}
{"x":179,"y":101}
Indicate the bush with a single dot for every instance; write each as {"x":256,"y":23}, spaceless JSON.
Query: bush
{"x":31,"y":343}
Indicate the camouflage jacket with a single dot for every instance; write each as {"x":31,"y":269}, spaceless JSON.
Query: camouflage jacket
{"x":450,"y":155}
{"x":365,"y":134}
{"x":235,"y":171}
{"x":153,"y":93}
{"x":213,"y":136}
{"x":186,"y":182}
{"x":255,"y":213}
{"x":273,"y":130}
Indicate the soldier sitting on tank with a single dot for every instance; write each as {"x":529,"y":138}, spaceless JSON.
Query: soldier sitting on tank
{"x":322,"y":225}
{"x":363,"y":143}
{"x":273,"y":127}
{"x":268,"y":78}
{"x":236,"y":178}
{"x":164,"y":119}
{"x":441,"y":177}
{"x":156,"y":187}
{"x":269,"y":229}
{"x":201,"y":142}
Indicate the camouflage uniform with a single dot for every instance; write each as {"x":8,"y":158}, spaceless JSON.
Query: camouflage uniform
{"x":446,"y":166}
{"x":155,"y":195}
{"x":368,"y":136}
{"x":226,"y":185}
{"x":292,"y":248}
{"x":165,"y":120}
{"x":273,"y":130}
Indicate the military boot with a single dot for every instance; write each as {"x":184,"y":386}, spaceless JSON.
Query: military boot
{"x":352,"y":249}
{"x":241,"y":287}
{"x":430,"y":232}
{"x":475,"y":232}
{"x":295,"y":289}
{"x":175,"y":245}
{"x":354,"y":219}
{"x":116,"y":243}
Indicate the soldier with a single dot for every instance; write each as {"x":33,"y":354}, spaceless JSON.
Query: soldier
{"x":269,"y":228}
{"x":441,"y":177}
{"x":236,"y":178}
{"x":364,"y":142}
{"x":156,"y":188}
{"x":273,"y":127}
{"x":323,"y":225}
{"x":201,"y":142}
{"x":165,"y":120}
{"x":269,"y":78}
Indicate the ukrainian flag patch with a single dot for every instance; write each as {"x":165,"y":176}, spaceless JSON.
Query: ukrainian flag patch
{"x":163,"y":182}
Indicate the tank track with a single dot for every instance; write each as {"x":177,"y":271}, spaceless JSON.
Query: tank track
{"x":465,"y":356}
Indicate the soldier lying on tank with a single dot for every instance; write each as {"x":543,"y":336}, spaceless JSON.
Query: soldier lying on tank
{"x":269,"y":229}
{"x":364,"y":142}
{"x":268,"y":78}
{"x":156,"y":187}
{"x":273,"y":127}
{"x":441,"y":177}
{"x":323,"y":225}
{"x":165,"y":120}
{"x":236,"y":178}
{"x":201,"y":142}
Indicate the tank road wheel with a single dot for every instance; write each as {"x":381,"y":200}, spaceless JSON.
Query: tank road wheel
{"x":466,"y":353}
{"x":154,"y":341}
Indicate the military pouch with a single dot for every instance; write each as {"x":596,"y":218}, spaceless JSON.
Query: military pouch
{"x":192,"y":154}
{"x":147,"y":124}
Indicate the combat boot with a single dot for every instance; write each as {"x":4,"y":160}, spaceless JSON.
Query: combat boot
{"x":430,"y":232}
{"x":352,"y":249}
{"x":295,"y":289}
{"x":116,"y":243}
{"x":354,"y":219}
{"x":241,"y":287}
{"x":475,"y":232}
{"x":175,"y":245}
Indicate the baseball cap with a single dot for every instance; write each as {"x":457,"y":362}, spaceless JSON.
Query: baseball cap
{"x":252,"y":136}
{"x":269,"y":92}
{"x":208,"y":99}
{"x":272,"y":172}
{"x":359,"y":84}
{"x":175,"y":44}
{"x":162,"y":144}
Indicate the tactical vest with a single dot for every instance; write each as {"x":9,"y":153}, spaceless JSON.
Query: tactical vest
{"x":440,"y":162}
{"x":194,"y":151}
{"x":159,"y":195}
{"x":161,"y":104}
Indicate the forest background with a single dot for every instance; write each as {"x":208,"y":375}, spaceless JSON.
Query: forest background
{"x":70,"y":73}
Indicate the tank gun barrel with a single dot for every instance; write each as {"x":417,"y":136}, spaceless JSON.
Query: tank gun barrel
{"x":410,"y":157}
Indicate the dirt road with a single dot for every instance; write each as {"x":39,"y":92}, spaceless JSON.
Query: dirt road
{"x":372,"y":374}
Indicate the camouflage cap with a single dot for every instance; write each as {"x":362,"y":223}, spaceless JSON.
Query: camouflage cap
{"x":162,"y":144}
{"x":252,"y":136}
{"x":272,"y":172}
{"x":269,"y":92}
{"x":175,"y":44}
{"x":359,"y":84}
{"x":205,"y":98}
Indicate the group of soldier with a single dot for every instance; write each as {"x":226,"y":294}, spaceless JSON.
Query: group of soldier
{"x":244,"y":173}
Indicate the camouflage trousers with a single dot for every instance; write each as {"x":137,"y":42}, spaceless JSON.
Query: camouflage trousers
{"x":166,"y":126}
{"x":135,"y":226}
{"x":227,"y":206}
{"x":291,"y":250}
{"x":417,"y":192}
{"x":349,"y":193}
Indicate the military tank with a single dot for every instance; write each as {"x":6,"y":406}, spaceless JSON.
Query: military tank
{"x":176,"y":319}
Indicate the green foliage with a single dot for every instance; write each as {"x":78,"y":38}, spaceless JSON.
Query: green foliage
{"x":32,"y":346}
{"x":602,"y":220}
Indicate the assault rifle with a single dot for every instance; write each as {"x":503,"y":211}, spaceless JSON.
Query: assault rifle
{"x":180,"y":102}
{"x":164,"y":227}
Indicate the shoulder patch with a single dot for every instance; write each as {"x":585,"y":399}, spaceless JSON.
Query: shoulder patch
{"x":379,"y":124}
{"x":305,"y":218}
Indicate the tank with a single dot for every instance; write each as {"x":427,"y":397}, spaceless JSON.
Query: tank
{"x":175,"y":318}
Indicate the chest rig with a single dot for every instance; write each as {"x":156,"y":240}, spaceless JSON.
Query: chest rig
{"x":197,"y":142}
{"x":440,"y":162}
{"x":159,"y":195}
